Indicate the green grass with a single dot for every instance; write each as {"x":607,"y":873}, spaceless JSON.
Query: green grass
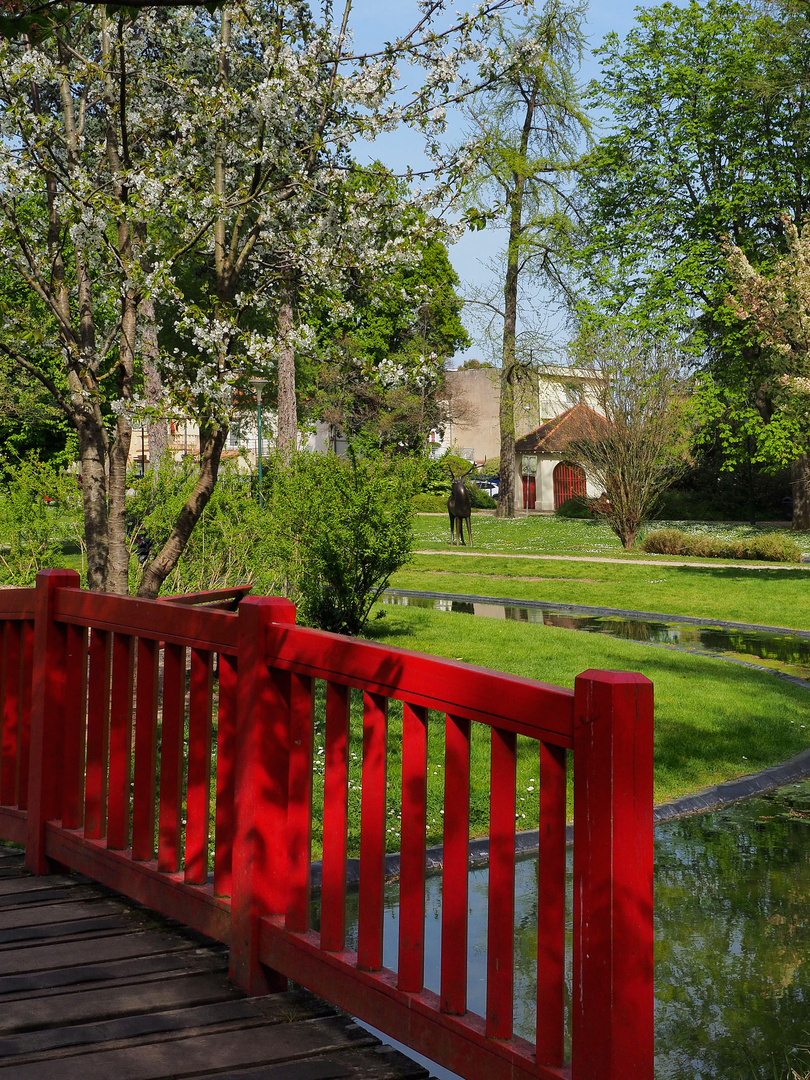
{"x":776,"y":596}
{"x":550,"y":535}
{"x":713,"y":720}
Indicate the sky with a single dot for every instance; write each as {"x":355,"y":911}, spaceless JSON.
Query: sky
{"x":375,"y":21}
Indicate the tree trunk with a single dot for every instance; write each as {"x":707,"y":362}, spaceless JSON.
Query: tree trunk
{"x":93,"y":479}
{"x":287,"y":408}
{"x":212,"y":442}
{"x":157,"y":428}
{"x":800,"y":484}
{"x":509,"y":367}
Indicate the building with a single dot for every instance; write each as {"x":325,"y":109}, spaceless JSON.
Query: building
{"x":543,"y":473}
{"x":475,"y":396}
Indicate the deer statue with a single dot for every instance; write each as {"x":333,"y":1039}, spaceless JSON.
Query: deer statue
{"x":458,"y":507}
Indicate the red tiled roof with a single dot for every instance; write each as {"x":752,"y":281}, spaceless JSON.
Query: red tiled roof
{"x":553,"y":437}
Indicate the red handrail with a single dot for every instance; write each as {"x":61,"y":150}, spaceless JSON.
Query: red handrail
{"x":98,"y":690}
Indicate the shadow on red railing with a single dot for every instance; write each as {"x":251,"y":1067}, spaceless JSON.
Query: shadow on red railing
{"x":108,"y":705}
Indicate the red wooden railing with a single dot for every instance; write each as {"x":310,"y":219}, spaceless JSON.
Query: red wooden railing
{"x":106,"y":768}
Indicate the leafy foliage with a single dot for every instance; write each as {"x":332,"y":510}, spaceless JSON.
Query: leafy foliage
{"x":195,"y":161}
{"x":528,"y":125}
{"x":329,"y":532}
{"x":40,"y":515}
{"x":709,"y":137}
{"x":574,"y":508}
{"x":341,"y":528}
{"x":773,"y":547}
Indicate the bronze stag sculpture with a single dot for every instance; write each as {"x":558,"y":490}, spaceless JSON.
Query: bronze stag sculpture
{"x":458,"y":507}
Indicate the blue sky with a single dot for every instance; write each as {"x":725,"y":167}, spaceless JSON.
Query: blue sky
{"x":376,"y":21}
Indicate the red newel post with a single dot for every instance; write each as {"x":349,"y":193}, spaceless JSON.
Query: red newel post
{"x":261,"y":784}
{"x":612,"y":1022}
{"x":47,"y":710}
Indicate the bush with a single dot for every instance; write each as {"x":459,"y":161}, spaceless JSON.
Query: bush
{"x":40,"y":516}
{"x":479,"y":499}
{"x":437,"y":473}
{"x":574,"y":508}
{"x":329,"y":535}
{"x":429,"y":504}
{"x":341,"y":529}
{"x":231,"y":543}
{"x":771,"y":547}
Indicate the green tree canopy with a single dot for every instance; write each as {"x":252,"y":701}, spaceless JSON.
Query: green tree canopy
{"x":709,"y":143}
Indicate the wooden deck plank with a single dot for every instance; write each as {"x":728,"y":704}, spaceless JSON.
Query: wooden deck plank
{"x":52,"y":914}
{"x":190,"y":1054}
{"x":94,"y":989}
{"x":48,"y":896}
{"x":63,"y":931}
{"x":112,"y":973}
{"x":122,"y":946}
{"x":127,"y":999}
{"x":128,"y":1027}
{"x":16,"y":885}
{"x":370,"y":1063}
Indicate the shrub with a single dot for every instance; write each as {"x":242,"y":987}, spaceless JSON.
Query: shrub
{"x":574,"y":508}
{"x":479,"y":499}
{"x":429,"y":504}
{"x":771,"y":547}
{"x":330,"y":532}
{"x":40,"y":515}
{"x":341,"y":528}
{"x":230,"y":544}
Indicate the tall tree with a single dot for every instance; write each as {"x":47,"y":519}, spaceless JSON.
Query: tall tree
{"x":774,"y":307}
{"x":527,"y":128}
{"x":382,"y":374}
{"x":710,"y":139}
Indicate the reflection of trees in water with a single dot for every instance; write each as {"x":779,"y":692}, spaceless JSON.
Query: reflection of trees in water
{"x":783,"y":647}
{"x":732,"y":942}
{"x":732,"y":936}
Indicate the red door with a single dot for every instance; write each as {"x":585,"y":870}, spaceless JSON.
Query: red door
{"x":529,"y":492}
{"x":569,"y":483}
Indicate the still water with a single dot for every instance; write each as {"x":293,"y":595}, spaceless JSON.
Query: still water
{"x":732,"y":931}
{"x":786,"y":651}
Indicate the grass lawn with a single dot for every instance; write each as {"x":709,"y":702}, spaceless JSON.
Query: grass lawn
{"x":773,"y":597}
{"x":545,"y":534}
{"x":771,"y":594}
{"x":713,"y":720}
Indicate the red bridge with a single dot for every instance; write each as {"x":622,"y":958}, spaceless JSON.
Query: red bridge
{"x":106,"y":705}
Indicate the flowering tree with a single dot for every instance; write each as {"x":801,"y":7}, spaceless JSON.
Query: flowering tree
{"x":199,"y":163}
{"x":774,"y":307}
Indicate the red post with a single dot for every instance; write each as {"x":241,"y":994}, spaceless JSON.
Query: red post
{"x":261,"y":782}
{"x":47,"y":708}
{"x":612,"y":998}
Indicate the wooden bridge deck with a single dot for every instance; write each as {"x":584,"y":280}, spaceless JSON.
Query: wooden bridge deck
{"x":92,"y":988}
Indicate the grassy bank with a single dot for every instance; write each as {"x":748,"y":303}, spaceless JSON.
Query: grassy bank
{"x":775,"y":596}
{"x":713,"y":720}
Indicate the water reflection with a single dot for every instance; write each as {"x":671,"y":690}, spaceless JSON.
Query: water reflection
{"x":786,"y":648}
{"x":732,"y":929}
